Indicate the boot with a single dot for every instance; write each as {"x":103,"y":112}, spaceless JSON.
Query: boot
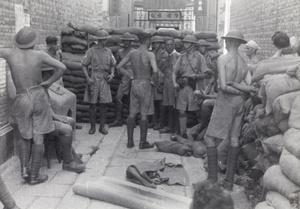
{"x":69,"y":163}
{"x":144,"y":131}
{"x":24,"y":157}
{"x":212,"y":162}
{"x":182,"y":124}
{"x":5,"y":197}
{"x":77,"y":156}
{"x":130,"y":129}
{"x":227,"y":183}
{"x":119,"y":109}
{"x":162,"y":112}
{"x":92,"y":110}
{"x":153,"y":121}
{"x":102,"y":128}
{"x":36,"y":163}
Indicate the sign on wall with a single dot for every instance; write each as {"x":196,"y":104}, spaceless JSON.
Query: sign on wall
{"x":164,"y":15}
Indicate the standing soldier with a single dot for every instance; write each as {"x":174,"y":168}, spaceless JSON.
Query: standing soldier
{"x":160,"y":55}
{"x":191,"y":70}
{"x":102,"y":63}
{"x":227,"y":116}
{"x":144,"y":67}
{"x":168,"y":89}
{"x":125,"y":84}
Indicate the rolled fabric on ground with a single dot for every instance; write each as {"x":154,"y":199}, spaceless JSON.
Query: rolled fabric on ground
{"x":130,"y":195}
{"x":292,"y":141}
{"x":290,"y":166}
{"x":275,"y":180}
{"x":277,"y":200}
{"x":263,"y":205}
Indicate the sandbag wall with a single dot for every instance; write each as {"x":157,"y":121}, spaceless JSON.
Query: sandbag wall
{"x":282,"y":95}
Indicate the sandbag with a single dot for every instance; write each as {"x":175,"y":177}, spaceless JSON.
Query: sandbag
{"x":151,"y":31}
{"x":283,"y":125}
{"x":291,"y":141}
{"x":186,"y":32}
{"x":72,"y":57}
{"x":282,"y":105}
{"x":78,"y":73}
{"x":78,"y":47}
{"x":263,"y":205}
{"x":290,"y":166}
{"x":199,"y":149}
{"x":205,"y":34}
{"x":67,"y":31}
{"x":168,"y":32}
{"x":213,"y":46}
{"x":276,"y":85}
{"x":109,"y":30}
{"x":212,"y":40}
{"x":275,"y":180}
{"x":115,"y":39}
{"x":274,"y":66}
{"x":273,"y":144}
{"x":294,"y":120}
{"x":132,"y":30}
{"x":73,"y":79}
{"x":277,"y":200}
{"x":266,"y":126}
{"x":72,"y":65}
{"x":173,"y":147}
{"x":69,"y":49}
{"x":73,"y":40}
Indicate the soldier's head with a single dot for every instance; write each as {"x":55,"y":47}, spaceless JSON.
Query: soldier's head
{"x":189,"y":42}
{"x":280,"y":40}
{"x":52,"y":43}
{"x":127,"y":38}
{"x":234,"y":38}
{"x":170,"y":45}
{"x":145,"y":39}
{"x":156,"y":42}
{"x":26,"y":38}
{"x":202,"y":46}
{"x":251,"y":48}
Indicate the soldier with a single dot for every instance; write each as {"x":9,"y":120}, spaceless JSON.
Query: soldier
{"x":227,"y":116}
{"x":202,"y":46}
{"x":168,"y":88}
{"x":102,"y":64}
{"x":31,"y":106}
{"x":125,"y":84}
{"x":251,"y":49}
{"x":160,"y":56}
{"x":191,"y":70}
{"x":142,"y":90}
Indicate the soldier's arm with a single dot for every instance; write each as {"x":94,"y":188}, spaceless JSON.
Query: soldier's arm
{"x":85,"y":63}
{"x":4,"y":52}
{"x":154,"y":67}
{"x":59,"y":66}
{"x":222,"y":78}
{"x":176,"y":68}
{"x":242,"y":87}
{"x":112,"y":68}
{"x":205,"y":71}
{"x":122,"y":63}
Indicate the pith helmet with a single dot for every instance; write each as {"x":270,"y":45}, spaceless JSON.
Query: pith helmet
{"x":157,"y":39}
{"x":100,"y":35}
{"x":25,"y":38}
{"x":127,"y":37}
{"x":253,"y":44}
{"x":202,"y":42}
{"x":190,"y":38}
{"x":235,"y":34}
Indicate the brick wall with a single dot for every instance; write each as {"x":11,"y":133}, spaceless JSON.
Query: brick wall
{"x":259,"y":19}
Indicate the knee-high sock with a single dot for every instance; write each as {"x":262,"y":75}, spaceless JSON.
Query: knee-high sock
{"x":130,"y":128}
{"x":144,"y":130}
{"x":212,"y":162}
{"x":232,"y":163}
{"x":5,"y":196}
{"x":182,"y":122}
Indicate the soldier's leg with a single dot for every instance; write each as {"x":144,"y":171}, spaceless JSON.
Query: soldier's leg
{"x":5,"y":197}
{"x":24,"y":154}
{"x":130,"y":129}
{"x":161,"y":114}
{"x":119,"y":109}
{"x":144,"y":144}
{"x":212,"y":159}
{"x":92,"y":111}
{"x":103,"y":111}
{"x":183,"y":123}
{"x":37,"y":160}
{"x":171,"y":117}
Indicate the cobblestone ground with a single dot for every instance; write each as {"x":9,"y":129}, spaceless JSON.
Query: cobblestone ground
{"x":110,"y":157}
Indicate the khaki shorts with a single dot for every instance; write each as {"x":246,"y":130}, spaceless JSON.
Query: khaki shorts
{"x":227,"y":118}
{"x":185,"y":100}
{"x":32,"y":112}
{"x":142,"y":97}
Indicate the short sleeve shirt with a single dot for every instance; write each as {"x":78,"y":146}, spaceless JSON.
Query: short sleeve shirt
{"x":99,"y":59}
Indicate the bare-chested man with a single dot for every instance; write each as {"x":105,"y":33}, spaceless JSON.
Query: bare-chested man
{"x":227,"y":116}
{"x":31,"y":106}
{"x":125,"y":84}
{"x":142,"y":90}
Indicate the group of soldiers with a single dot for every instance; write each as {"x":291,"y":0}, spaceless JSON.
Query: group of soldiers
{"x":159,"y":82}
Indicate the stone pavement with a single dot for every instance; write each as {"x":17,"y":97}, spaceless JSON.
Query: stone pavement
{"x":104,"y":156}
